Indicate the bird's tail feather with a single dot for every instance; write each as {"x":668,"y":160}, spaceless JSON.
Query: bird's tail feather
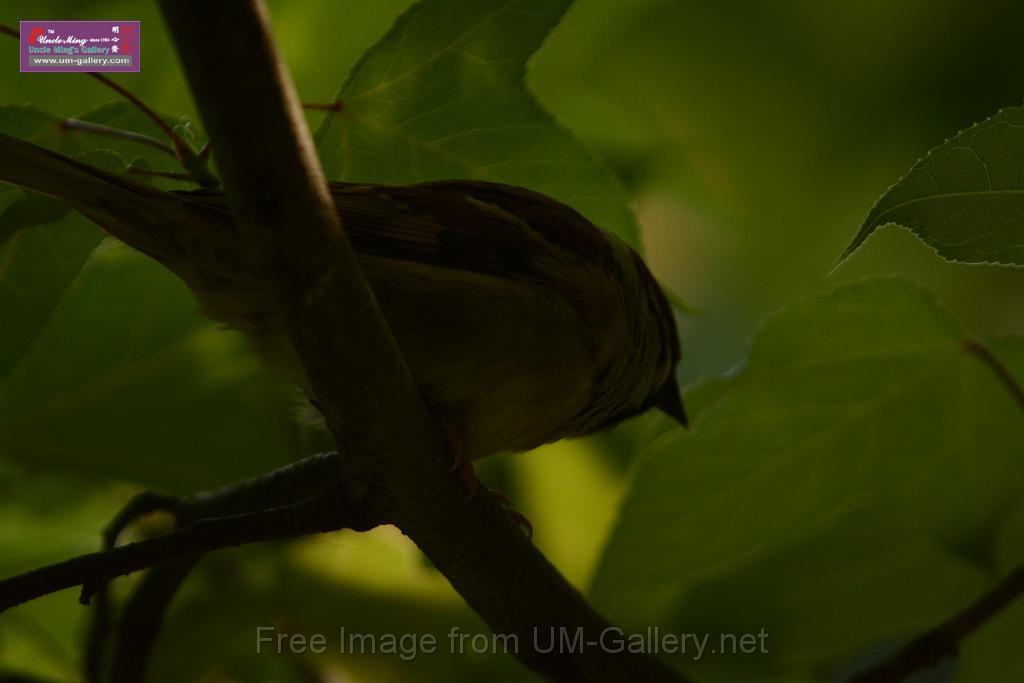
{"x":139,"y":215}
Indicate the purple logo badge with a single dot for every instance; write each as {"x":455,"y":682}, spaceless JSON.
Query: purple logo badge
{"x":80,"y":45}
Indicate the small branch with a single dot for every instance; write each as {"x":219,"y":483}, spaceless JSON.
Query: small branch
{"x":97,"y":636}
{"x":944,"y":641}
{"x":99,"y":631}
{"x":180,"y":146}
{"x":315,"y":516}
{"x":323,"y":106}
{"x":143,"y":613}
{"x":291,"y":499}
{"x":12,"y":677}
{"x":140,"y":505}
{"x":142,"y":617}
{"x":979,"y":349}
{"x":299,"y":481}
{"x":100,"y":129}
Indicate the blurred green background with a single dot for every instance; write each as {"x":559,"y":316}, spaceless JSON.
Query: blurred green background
{"x":753,"y":138}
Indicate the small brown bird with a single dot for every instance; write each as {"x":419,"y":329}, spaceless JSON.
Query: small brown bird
{"x":522,"y":323}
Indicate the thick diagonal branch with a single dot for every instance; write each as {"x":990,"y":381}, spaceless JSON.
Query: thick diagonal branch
{"x":391,"y":448}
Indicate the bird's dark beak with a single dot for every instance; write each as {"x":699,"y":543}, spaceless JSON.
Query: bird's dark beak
{"x":668,"y":401}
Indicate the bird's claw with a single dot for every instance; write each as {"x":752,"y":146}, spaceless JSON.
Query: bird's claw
{"x":519,"y":518}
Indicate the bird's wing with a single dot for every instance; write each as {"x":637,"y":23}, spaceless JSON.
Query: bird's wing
{"x":489,"y":228}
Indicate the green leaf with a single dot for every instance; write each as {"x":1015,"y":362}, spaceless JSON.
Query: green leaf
{"x":39,"y":258}
{"x":46,"y":518}
{"x":28,"y":123}
{"x":442,"y":96}
{"x":840,"y":488}
{"x":966,"y":198}
{"x":141,"y":387}
{"x":43,"y":246}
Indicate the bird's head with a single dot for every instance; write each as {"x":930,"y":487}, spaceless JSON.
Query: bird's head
{"x":641,"y":347}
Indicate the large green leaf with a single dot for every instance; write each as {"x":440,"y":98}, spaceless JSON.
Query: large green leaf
{"x":442,"y":96}
{"x":43,"y":245}
{"x":837,"y":490}
{"x":29,"y":123}
{"x":36,"y":125}
{"x":141,"y":387}
{"x":966,"y":198}
{"x":128,"y":381}
{"x":39,"y":257}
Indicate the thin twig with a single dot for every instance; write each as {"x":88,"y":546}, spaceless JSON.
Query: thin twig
{"x":979,"y":349}
{"x":180,"y":145}
{"x":98,"y":633}
{"x":17,"y":677}
{"x":100,"y":129}
{"x":142,"y":617}
{"x":944,"y":641}
{"x":324,"y":106}
{"x":279,"y":496}
{"x":316,"y":516}
{"x":143,"y":613}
